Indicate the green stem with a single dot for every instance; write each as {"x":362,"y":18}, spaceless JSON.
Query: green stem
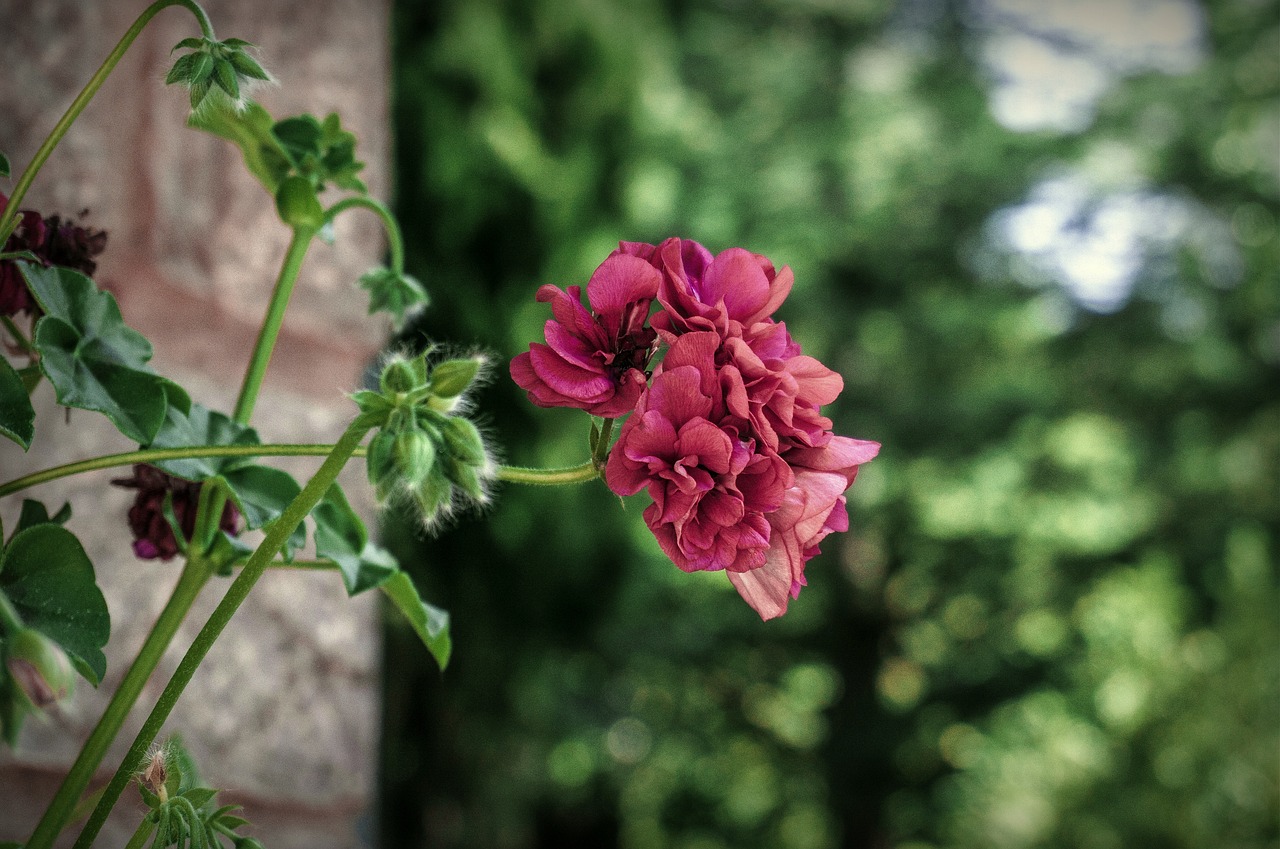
{"x":9,"y":219}
{"x":236,"y":594}
{"x":550,"y":477}
{"x":19,"y":338}
{"x":512,"y":474}
{"x":140,"y":836}
{"x":266,"y":343}
{"x":193,"y":577}
{"x":394,"y":239}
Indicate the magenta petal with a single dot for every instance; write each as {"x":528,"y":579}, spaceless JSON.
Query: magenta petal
{"x":621,"y":280}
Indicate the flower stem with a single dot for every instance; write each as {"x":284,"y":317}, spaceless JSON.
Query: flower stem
{"x":193,"y":577}
{"x":550,"y":477}
{"x":280,"y":531}
{"x":512,"y":474}
{"x":395,"y":241}
{"x":266,"y":343}
{"x":9,"y":218}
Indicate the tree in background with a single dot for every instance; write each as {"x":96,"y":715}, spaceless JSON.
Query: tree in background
{"x":1043,"y":252}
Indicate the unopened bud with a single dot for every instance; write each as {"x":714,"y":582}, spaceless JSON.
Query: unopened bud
{"x":297,"y":204}
{"x":39,"y":667}
{"x":434,"y":494}
{"x":398,"y":376}
{"x":380,"y":462}
{"x":467,"y":479}
{"x":415,"y":455}
{"x":451,"y":378}
{"x":463,"y":441}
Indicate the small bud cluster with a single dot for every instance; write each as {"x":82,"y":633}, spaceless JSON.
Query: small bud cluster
{"x":428,"y":452}
{"x":215,"y":66}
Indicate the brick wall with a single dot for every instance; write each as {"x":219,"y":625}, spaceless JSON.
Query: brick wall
{"x":284,"y":711}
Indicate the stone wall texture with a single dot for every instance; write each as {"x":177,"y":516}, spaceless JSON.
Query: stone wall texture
{"x":284,"y":712}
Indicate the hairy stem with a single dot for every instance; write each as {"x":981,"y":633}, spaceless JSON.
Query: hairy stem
{"x":9,"y":218}
{"x":512,"y":474}
{"x":280,"y":531}
{"x":60,"y":810}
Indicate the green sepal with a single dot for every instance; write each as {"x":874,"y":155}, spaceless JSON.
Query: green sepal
{"x":181,"y":70}
{"x":430,"y":623}
{"x":372,"y":403}
{"x":17,"y":416}
{"x":250,"y":130}
{"x":93,"y":359}
{"x":246,"y":66}
{"x":393,"y":292}
{"x":48,"y":578}
{"x":341,"y":537}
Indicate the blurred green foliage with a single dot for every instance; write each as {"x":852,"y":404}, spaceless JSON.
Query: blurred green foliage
{"x":1054,"y":621}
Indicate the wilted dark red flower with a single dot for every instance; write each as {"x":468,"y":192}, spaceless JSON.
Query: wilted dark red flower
{"x":152,"y":536}
{"x":53,"y":241}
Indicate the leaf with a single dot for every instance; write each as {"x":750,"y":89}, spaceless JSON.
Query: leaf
{"x":35,"y":513}
{"x":299,"y":136}
{"x":260,"y":492}
{"x":17,"y":416}
{"x":430,"y":623}
{"x":93,"y":359}
{"x":341,"y":537}
{"x":49,"y":580}
{"x":250,"y":130}
{"x":4,"y":166}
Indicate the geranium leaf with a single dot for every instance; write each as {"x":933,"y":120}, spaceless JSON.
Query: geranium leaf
{"x":17,"y":416}
{"x":35,"y":513}
{"x":201,"y":426}
{"x":430,"y":623}
{"x":49,"y":580}
{"x":341,"y":537}
{"x":250,"y":130}
{"x":93,"y":359}
{"x":260,"y":492}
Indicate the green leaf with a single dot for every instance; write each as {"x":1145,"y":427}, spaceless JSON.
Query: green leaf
{"x":93,"y":359}
{"x":201,"y":426}
{"x":299,"y":136}
{"x":4,"y":166}
{"x":35,"y":513}
{"x":341,"y":537}
{"x":261,"y":492}
{"x":17,"y":416}
{"x":49,"y":579}
{"x":430,"y":623}
{"x":250,"y":130}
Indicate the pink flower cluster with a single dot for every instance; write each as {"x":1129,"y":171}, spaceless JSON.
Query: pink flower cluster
{"x":726,"y":434}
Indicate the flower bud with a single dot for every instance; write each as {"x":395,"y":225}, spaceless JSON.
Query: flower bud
{"x":463,"y":441}
{"x":415,"y":455}
{"x":39,"y":667}
{"x":451,"y":378}
{"x":434,"y":495}
{"x":297,"y":204}
{"x":466,"y":478}
{"x":398,"y":376}
{"x":380,"y":463}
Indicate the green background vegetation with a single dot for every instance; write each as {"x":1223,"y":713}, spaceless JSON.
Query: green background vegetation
{"x":1054,"y":620}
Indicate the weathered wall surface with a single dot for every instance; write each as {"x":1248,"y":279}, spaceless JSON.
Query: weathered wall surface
{"x":284,"y":711}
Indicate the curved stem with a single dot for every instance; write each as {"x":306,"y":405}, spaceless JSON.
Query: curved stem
{"x":395,"y":241}
{"x":193,"y":577}
{"x":9,"y":218}
{"x":266,"y":343}
{"x":512,"y":474}
{"x":236,"y":594}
